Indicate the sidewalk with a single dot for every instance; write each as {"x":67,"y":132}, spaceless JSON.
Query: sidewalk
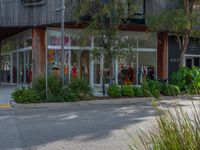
{"x":5,"y":95}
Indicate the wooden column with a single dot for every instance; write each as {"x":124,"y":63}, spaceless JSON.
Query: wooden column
{"x":162,"y":55}
{"x":38,"y":51}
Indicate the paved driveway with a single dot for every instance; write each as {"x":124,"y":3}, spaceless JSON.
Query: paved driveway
{"x":99,"y":125}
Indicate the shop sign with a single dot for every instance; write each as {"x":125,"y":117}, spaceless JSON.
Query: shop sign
{"x":51,"y":56}
{"x":29,"y":3}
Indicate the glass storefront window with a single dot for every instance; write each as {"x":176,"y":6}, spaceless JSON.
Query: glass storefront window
{"x":18,"y":48}
{"x":135,"y":62}
{"x":5,"y":68}
{"x":127,"y":68}
{"x":146,"y":66}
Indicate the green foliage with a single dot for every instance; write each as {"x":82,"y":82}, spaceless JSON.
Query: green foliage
{"x":138,"y":92}
{"x":25,"y":95}
{"x":127,"y":90}
{"x":187,"y":79}
{"x":152,"y":88}
{"x":173,"y":20}
{"x":69,"y":95}
{"x":54,"y":88}
{"x":114,"y":91}
{"x":175,"y":129}
{"x":80,"y":87}
{"x":170,"y":90}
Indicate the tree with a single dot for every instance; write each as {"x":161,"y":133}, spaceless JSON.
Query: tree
{"x":103,"y":19}
{"x":182,"y":21}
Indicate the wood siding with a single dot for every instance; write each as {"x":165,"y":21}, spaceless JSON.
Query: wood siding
{"x":13,"y":12}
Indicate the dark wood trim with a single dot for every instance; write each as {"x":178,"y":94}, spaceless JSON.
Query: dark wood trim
{"x":162,"y":55}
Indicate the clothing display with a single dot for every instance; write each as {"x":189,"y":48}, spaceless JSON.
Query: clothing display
{"x":74,"y":72}
{"x":127,"y":75}
{"x":145,"y":72}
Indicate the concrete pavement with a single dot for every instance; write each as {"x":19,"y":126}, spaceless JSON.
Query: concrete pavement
{"x":94,"y":125}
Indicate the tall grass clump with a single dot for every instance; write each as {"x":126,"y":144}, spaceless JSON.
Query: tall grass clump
{"x":175,"y":129}
{"x":54,"y":88}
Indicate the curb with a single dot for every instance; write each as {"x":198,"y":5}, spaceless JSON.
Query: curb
{"x":5,"y":106}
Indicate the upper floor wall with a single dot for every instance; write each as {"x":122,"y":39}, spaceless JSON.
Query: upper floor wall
{"x":14,"y":13}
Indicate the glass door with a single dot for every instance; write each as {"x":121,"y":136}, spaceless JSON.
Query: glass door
{"x":5,"y":68}
{"x":24,"y":65}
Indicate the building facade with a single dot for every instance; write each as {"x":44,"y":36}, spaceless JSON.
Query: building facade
{"x":30,"y":33}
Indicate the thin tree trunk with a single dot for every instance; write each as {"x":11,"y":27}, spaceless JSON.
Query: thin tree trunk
{"x":181,"y":58}
{"x":183,"y":48}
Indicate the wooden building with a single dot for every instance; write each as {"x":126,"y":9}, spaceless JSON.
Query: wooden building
{"x":29,"y":28}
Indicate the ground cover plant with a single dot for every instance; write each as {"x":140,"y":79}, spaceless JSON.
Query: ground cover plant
{"x":127,"y":91}
{"x":25,"y":95}
{"x":114,"y":91}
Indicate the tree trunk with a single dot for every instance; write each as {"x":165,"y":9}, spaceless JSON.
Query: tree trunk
{"x":181,"y":58}
{"x":183,"y":48}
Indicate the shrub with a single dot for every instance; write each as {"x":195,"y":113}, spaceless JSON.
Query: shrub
{"x":54,"y":88}
{"x":81,"y":85}
{"x":187,"y":79}
{"x":69,"y":95}
{"x":25,"y":95}
{"x":127,"y":90}
{"x":114,"y":91}
{"x":152,"y":88}
{"x":170,"y":90}
{"x":138,"y":92}
{"x":81,"y":88}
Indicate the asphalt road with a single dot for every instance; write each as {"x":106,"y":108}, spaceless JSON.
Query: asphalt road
{"x":99,"y":125}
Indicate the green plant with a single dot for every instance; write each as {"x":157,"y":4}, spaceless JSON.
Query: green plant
{"x":127,"y":90}
{"x":25,"y":95}
{"x":69,"y":95}
{"x":138,"y":92}
{"x":81,"y":86}
{"x":152,"y":88}
{"x":170,"y":90}
{"x":175,"y":129}
{"x":187,"y":79}
{"x":54,"y":88}
{"x":114,"y":91}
